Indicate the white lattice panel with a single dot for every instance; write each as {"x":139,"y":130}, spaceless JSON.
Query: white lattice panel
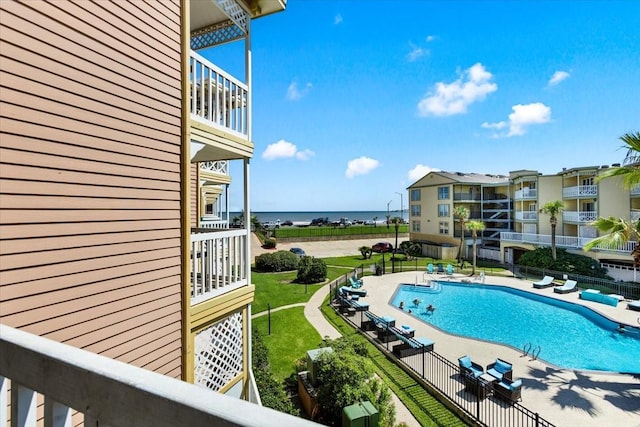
{"x":218,"y":353}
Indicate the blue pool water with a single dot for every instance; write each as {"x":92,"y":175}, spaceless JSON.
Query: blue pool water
{"x":569,"y":335}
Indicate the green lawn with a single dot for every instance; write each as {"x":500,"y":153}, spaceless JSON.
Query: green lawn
{"x":329,"y":231}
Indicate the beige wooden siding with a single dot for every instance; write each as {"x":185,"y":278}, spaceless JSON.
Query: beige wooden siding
{"x":90,"y":220}
{"x":194,"y":206}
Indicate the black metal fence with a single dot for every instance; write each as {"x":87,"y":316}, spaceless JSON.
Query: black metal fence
{"x":441,"y":377}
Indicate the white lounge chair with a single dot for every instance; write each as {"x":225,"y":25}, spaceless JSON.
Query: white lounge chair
{"x":546,"y":282}
{"x":569,"y":286}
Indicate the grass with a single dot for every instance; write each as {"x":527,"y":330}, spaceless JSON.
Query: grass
{"x":287,"y":343}
{"x":329,"y":231}
{"x":278,"y":289}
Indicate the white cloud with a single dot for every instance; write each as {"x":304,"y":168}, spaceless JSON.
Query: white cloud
{"x":557,"y":77}
{"x":416,"y":52}
{"x":360,"y":166}
{"x":454,"y":98}
{"x":337,"y":19}
{"x":430,"y":38}
{"x":285,"y":149}
{"x":294,"y":93}
{"x":521,"y":118}
{"x":419,"y":171}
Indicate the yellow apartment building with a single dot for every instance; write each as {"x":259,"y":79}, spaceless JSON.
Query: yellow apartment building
{"x":125,"y":297}
{"x":510,"y":208}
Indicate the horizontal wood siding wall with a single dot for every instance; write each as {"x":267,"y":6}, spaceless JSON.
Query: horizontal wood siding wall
{"x":90,"y":172}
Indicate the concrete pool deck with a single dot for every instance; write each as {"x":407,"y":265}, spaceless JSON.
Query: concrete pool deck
{"x":562,"y":396}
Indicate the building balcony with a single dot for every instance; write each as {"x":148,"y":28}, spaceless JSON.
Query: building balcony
{"x":77,"y":386}
{"x":526,"y":193}
{"x":466,"y":197}
{"x":579,"y":217}
{"x":219,"y":262}
{"x":635,"y":191}
{"x":580,"y":191}
{"x":634,"y":215}
{"x":526,"y":215}
{"x":571,"y":242}
{"x":220,"y":113}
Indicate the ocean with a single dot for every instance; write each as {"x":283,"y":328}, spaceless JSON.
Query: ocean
{"x":332,"y":215}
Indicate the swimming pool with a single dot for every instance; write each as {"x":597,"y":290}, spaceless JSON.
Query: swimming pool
{"x":568,"y":335}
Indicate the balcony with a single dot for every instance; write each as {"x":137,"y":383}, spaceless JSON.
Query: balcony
{"x":634,"y":215}
{"x":526,"y":215}
{"x":108,"y":392}
{"x":580,"y":191}
{"x":219,"y":262}
{"x":571,"y":242}
{"x":581,"y":217}
{"x":526,"y":193}
{"x":216,"y":167}
{"x":635,"y":191}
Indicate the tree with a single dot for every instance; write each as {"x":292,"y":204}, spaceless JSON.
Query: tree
{"x":618,"y":230}
{"x":474,"y":227}
{"x":462,"y":214}
{"x":553,"y":208}
{"x":365,"y":251}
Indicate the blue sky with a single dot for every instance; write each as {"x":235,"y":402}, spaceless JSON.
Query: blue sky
{"x":353,"y":101}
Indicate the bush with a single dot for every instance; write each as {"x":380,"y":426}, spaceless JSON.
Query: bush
{"x":565,"y":262}
{"x":311,"y":270}
{"x":270,"y":243}
{"x":277,"y":261}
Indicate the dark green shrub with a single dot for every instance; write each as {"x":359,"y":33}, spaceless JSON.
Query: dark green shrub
{"x":565,"y":262}
{"x":277,"y":261}
{"x":270,"y":243}
{"x":311,"y":270}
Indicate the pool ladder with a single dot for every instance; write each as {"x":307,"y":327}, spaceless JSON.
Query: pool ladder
{"x":529,"y":349}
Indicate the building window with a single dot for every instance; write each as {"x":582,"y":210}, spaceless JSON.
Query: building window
{"x":415,"y":226}
{"x":443,"y":210}
{"x":443,"y":227}
{"x":415,"y":210}
{"x":587,"y":181}
{"x":443,"y":193}
{"x":415,"y":195}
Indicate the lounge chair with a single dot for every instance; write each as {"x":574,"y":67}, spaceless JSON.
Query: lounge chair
{"x":355,"y":283}
{"x":411,"y":346}
{"x":449,"y":269}
{"x":346,"y":290}
{"x":500,"y":370}
{"x":569,"y":286}
{"x":440,"y":269}
{"x":634,"y":305}
{"x":430,"y":268}
{"x":469,"y":367}
{"x":508,"y":390}
{"x":546,"y":282}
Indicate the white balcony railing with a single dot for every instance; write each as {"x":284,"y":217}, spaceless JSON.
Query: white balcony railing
{"x":585,"y":216}
{"x":635,"y":191}
{"x":220,"y":167}
{"x":580,"y":191}
{"x":214,"y":223}
{"x":218,"y":263}
{"x":526,"y":193}
{"x":217,"y":98}
{"x":107,"y":392}
{"x":634,"y":215}
{"x":562,"y":241}
{"x":526,"y":215}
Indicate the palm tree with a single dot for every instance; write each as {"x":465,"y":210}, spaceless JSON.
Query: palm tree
{"x":619,"y":231}
{"x":474,"y":227}
{"x":462,"y":214}
{"x":553,"y":208}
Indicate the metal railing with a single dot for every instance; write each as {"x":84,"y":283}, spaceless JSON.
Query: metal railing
{"x":438,"y":375}
{"x":217,"y":98}
{"x":562,"y":241}
{"x":218,"y":262}
{"x":580,"y":191}
{"x":75,"y":383}
{"x":583,"y":216}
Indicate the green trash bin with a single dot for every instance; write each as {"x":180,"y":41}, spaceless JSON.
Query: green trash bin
{"x":361,"y":414}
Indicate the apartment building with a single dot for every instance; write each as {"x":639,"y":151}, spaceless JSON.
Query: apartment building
{"x":510,"y":208}
{"x":116,"y":138}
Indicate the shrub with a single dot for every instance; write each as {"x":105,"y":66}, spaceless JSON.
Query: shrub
{"x":277,"y":261}
{"x":311,"y":270}
{"x":565,"y":262}
{"x":270,"y":243}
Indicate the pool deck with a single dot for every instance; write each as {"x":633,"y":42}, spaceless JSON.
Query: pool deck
{"x":564,"y":397}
